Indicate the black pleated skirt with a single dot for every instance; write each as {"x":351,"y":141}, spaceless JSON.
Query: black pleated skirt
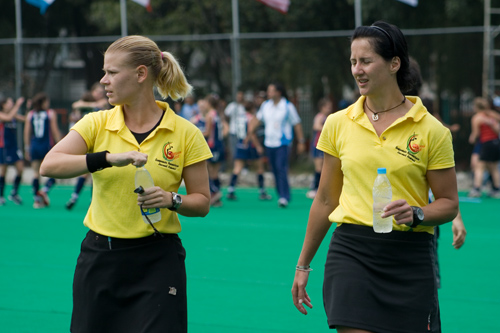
{"x":130,"y":285}
{"x":383,"y":283}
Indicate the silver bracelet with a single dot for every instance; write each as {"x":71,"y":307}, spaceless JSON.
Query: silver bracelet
{"x":304,"y":268}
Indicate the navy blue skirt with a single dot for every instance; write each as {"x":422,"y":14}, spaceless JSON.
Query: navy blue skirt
{"x":130,"y":285}
{"x":383,"y":283}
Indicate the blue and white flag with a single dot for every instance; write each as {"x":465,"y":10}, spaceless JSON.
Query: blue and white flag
{"x":42,"y":4}
{"x":413,"y":3}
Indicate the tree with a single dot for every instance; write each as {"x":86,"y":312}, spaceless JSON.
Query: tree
{"x":296,"y":62}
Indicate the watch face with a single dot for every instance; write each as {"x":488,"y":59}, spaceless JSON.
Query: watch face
{"x":420,"y":213}
{"x":177,"y":200}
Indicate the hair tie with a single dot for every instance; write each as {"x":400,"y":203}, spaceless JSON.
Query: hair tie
{"x":161,"y":52}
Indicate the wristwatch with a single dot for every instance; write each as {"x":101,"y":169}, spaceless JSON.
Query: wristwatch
{"x":418,"y":216}
{"x":176,"y":201}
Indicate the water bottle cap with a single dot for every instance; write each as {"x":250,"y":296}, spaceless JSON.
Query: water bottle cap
{"x":381,"y":171}
{"x":139,"y":190}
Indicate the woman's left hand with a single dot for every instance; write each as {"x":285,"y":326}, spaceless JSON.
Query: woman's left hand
{"x":155,"y":197}
{"x":401,"y":210}
{"x":459,"y":232}
{"x":299,"y":293}
{"x":301,"y":148}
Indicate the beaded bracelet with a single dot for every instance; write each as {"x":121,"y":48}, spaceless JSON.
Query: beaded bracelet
{"x":303,"y":268}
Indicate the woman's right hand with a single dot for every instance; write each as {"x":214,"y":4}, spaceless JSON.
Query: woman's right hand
{"x":299,"y":293}
{"x":19,"y":101}
{"x":123,"y":159}
{"x":260,"y":150}
{"x":27,"y":155}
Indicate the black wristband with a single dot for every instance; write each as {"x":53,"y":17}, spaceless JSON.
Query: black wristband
{"x":97,"y":161}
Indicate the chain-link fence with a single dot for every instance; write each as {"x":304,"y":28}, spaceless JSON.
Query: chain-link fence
{"x":66,"y":68}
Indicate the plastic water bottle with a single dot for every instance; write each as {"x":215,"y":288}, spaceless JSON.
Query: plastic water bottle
{"x":143,"y":179}
{"x":382,"y":196}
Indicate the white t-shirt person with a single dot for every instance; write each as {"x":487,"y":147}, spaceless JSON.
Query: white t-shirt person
{"x":279,"y":120}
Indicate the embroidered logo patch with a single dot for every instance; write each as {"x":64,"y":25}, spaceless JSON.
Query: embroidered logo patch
{"x":168,"y":154}
{"x":412,"y":146}
{"x":169,"y":157}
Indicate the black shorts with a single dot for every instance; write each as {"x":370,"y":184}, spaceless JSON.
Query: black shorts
{"x":245,"y":152}
{"x":218,"y":154}
{"x":139,"y":285}
{"x":38,"y":151}
{"x":490,"y":151}
{"x":10,"y":155}
{"x":383,"y":283}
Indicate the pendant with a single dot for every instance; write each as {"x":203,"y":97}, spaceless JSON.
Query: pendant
{"x":375,"y":116}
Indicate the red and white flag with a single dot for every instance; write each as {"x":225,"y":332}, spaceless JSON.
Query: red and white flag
{"x":279,"y":5}
{"x":145,"y":3}
{"x":413,"y":3}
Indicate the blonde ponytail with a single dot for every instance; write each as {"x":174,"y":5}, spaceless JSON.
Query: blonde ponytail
{"x":171,"y":80}
{"x":168,"y":76}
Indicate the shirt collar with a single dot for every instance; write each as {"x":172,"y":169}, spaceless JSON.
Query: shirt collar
{"x":418,"y":111}
{"x":117,"y":121}
{"x":280,"y":103}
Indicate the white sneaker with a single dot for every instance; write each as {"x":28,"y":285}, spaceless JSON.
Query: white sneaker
{"x":282,"y":202}
{"x":16,"y":199}
{"x":264,"y":196}
{"x":474,"y":193}
{"x":215,"y":198}
{"x":311,"y":194}
{"x":494,"y":194}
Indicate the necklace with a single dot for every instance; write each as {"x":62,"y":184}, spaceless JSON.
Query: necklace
{"x":375,"y":114}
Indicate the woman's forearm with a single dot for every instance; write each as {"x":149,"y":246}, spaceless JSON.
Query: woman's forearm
{"x":194,"y":205}
{"x":440,"y":211}
{"x":67,"y":158}
{"x":317,"y":227}
{"x":62,"y":165}
{"x":443,"y":184}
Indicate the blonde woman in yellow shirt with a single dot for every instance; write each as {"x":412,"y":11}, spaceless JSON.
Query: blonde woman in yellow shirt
{"x":130,"y":275}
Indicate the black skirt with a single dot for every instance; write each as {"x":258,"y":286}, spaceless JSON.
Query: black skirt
{"x":130,"y":285}
{"x":383,"y":283}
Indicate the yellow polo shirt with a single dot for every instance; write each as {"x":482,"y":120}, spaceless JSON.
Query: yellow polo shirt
{"x":172,"y":146}
{"x":408,"y":148}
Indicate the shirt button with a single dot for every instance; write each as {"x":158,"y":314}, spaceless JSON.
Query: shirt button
{"x":96,"y":237}
{"x":383,"y":138}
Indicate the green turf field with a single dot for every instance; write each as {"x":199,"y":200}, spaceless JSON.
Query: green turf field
{"x":240,"y":263}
